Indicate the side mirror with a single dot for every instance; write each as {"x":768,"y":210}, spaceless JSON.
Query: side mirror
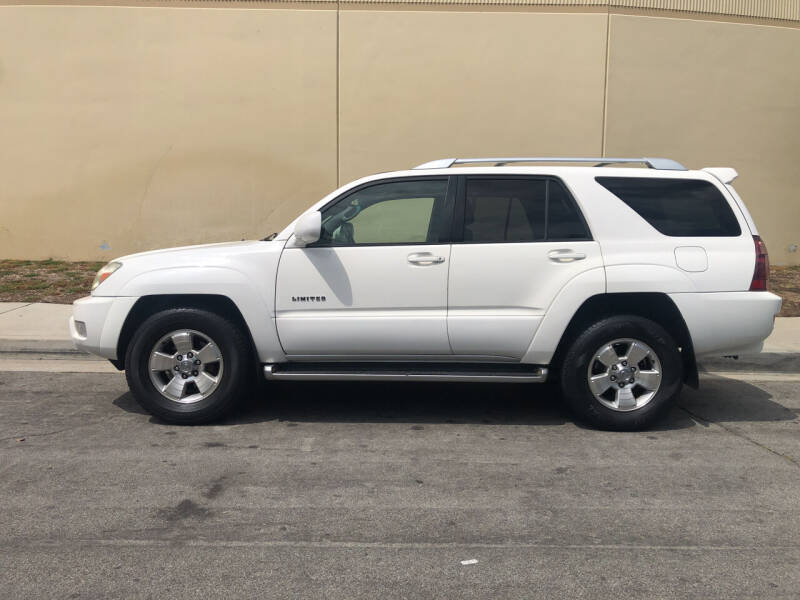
{"x":307,"y":228}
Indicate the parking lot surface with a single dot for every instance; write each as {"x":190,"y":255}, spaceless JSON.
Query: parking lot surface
{"x":382,"y":490}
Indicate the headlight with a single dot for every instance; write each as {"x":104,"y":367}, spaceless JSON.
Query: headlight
{"x":105,"y":273}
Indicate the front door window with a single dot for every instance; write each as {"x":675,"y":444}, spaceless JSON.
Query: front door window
{"x":406,"y":212}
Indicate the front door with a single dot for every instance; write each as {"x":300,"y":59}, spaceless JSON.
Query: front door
{"x":375,"y":285}
{"x":517,"y":241}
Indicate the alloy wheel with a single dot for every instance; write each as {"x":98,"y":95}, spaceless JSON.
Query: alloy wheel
{"x":186,"y":366}
{"x":624,"y":374}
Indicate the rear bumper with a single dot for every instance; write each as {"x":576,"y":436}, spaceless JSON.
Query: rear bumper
{"x":97,"y":321}
{"x":723,"y":323}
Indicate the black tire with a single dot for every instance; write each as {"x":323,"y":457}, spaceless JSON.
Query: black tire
{"x":575,"y":367}
{"x":233,"y":346}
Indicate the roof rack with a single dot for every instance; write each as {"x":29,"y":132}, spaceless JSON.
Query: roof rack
{"x":653,"y":163}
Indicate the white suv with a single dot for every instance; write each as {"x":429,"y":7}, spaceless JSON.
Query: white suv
{"x":608,"y":280}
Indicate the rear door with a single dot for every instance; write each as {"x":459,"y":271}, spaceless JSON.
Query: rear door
{"x":517,"y":241}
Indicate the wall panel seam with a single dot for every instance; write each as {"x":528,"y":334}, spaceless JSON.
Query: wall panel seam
{"x":605,"y":85}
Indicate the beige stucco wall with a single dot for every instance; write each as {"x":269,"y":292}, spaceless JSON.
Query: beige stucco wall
{"x":140,"y":127}
{"x":415,"y":86}
{"x":714,"y":94}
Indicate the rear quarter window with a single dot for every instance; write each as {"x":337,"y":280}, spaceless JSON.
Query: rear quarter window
{"x":676,"y":207}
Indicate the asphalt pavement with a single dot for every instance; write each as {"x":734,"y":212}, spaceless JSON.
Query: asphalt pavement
{"x":382,"y":490}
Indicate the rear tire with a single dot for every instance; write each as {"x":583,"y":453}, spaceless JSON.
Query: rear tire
{"x":188,"y":366}
{"x":604,"y":389}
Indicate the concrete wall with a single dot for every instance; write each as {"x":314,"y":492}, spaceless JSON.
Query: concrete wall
{"x":126,"y":128}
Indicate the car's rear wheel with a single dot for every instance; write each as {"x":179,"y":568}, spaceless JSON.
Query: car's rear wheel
{"x":621,"y":373}
{"x":188,"y":366}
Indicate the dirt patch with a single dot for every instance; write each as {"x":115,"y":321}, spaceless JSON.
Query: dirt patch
{"x":785,"y":281}
{"x":63,"y":282}
{"x":54,"y":281}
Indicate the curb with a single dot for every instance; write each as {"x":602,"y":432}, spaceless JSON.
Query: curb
{"x":775,"y":362}
{"x":20,"y":346}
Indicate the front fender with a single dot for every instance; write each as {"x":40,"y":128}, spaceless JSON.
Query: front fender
{"x":253,"y":293}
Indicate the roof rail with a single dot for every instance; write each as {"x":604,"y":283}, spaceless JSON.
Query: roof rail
{"x":602,"y":161}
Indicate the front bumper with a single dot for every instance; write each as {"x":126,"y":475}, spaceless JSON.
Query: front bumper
{"x":96,"y":323}
{"x":723,"y":323}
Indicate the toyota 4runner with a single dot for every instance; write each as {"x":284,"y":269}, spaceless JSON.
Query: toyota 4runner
{"x":610,"y":280}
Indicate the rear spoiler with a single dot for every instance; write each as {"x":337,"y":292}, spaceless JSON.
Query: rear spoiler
{"x":725,"y":174}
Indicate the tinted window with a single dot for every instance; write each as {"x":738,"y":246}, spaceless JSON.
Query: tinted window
{"x":676,"y":207}
{"x":519,"y":210}
{"x":563,"y":220}
{"x":404,"y":212}
{"x":504,"y":210}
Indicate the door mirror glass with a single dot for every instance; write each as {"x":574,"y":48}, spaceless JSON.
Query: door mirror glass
{"x":307,"y":228}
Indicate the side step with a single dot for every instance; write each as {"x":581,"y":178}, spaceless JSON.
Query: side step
{"x":409,"y":371}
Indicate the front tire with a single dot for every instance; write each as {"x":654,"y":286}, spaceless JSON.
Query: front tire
{"x":621,"y":373}
{"x":188,"y":366}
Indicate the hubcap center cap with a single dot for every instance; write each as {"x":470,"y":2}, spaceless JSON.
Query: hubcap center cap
{"x":625,"y":373}
{"x":186,"y":366}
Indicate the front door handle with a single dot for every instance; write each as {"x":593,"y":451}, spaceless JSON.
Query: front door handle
{"x":424,"y":259}
{"x":565,"y":255}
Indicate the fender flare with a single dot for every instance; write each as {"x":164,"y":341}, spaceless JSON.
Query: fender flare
{"x":560,"y":312}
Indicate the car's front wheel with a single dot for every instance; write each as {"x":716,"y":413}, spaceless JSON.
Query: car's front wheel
{"x":621,"y":373}
{"x":188,"y":366}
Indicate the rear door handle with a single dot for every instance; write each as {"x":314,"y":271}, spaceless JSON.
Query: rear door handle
{"x":424,"y":259}
{"x":565,"y":255}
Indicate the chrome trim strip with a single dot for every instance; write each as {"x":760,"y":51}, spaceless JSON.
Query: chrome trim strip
{"x":270,"y":372}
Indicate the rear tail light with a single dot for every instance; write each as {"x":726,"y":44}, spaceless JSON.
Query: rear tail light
{"x":761,"y":272}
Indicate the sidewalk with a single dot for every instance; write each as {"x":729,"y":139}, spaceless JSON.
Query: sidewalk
{"x":42,"y":328}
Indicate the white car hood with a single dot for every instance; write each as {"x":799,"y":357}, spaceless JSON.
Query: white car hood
{"x":244,"y":256}
{"x":199,"y":248}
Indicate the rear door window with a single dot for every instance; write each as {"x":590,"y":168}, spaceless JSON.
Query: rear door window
{"x":563,"y":220}
{"x":676,"y":207}
{"x":519,"y":210}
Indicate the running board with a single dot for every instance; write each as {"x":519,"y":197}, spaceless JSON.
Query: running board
{"x":496,"y":373}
